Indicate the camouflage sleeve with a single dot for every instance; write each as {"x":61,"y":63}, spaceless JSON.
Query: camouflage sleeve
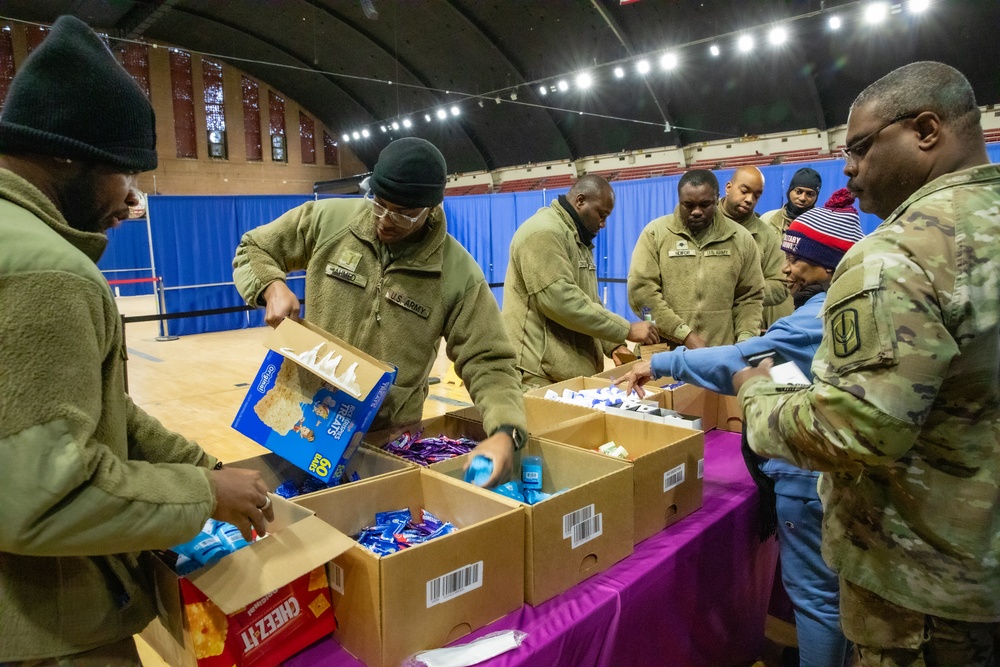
{"x":883,"y":358}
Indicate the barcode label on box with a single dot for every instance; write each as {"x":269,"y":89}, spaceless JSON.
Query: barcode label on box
{"x":585,"y":531}
{"x":673,"y":477}
{"x":577,"y":517}
{"x":701,"y":468}
{"x":337,"y":578}
{"x":453,"y":584}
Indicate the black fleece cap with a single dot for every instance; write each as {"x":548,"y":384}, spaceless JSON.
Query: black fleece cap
{"x":806,"y":178}
{"x":411,"y":173}
{"x":72,"y":99}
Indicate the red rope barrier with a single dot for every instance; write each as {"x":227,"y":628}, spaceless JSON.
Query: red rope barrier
{"x":132,"y":281}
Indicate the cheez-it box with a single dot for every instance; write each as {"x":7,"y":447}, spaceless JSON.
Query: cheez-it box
{"x":313,"y":398}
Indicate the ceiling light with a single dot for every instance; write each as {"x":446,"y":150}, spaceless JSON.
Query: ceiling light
{"x":714,"y":50}
{"x":562,"y":86}
{"x":668,"y":61}
{"x":583,"y":80}
{"x":407,"y":123}
{"x":744,"y":43}
{"x":834,"y":23}
{"x":917,"y":6}
{"x":542,"y":91}
{"x":395,"y":125}
{"x":876,"y":12}
{"x":777,"y":36}
{"x":355,"y":135}
{"x":427,"y":117}
{"x":642,"y":67}
{"x":442,"y":114}
{"x":382,"y":128}
{"x":365,"y":133}
{"x":347,"y":137}
{"x":455,"y":111}
{"x":619,"y":73}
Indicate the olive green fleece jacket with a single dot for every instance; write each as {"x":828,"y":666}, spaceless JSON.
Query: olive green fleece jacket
{"x":87,"y":479}
{"x":559,"y":327}
{"x":711,"y":284}
{"x":396,"y":310}
{"x":778,"y":220}
{"x":772,"y":258}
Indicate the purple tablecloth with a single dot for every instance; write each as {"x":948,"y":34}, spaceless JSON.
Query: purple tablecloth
{"x":695,"y":594}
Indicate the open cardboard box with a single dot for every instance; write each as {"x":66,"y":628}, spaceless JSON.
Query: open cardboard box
{"x":682,"y":397}
{"x":449,"y":424}
{"x":257,"y":606}
{"x":668,"y":464}
{"x":430,"y":594}
{"x":577,"y":533}
{"x":730,"y":416}
{"x":541,"y":414}
{"x":306,"y":413}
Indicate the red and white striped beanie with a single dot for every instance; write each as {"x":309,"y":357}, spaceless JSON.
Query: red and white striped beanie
{"x":822,"y":235}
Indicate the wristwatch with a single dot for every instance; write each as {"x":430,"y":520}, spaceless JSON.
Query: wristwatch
{"x":515,"y":434}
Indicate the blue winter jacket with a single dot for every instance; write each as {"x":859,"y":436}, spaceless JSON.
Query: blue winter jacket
{"x":794,"y":338}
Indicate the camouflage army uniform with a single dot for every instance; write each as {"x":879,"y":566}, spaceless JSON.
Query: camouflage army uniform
{"x":904,"y":417}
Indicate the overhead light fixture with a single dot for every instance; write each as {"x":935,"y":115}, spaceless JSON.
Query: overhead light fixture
{"x":642,"y":67}
{"x":777,"y":36}
{"x":427,"y":117}
{"x":346,"y":137}
{"x":619,"y":73}
{"x":668,"y":61}
{"x":455,"y":111}
{"x":480,"y":104}
{"x":744,"y":43}
{"x":876,"y":12}
{"x":395,"y":125}
{"x":355,"y":135}
{"x":543,"y":91}
{"x":918,"y":6}
{"x":382,"y":128}
{"x":365,"y":133}
{"x":562,"y":86}
{"x":513,"y":96}
{"x":714,"y":50}
{"x":407,"y":123}
{"x":835,"y":22}
{"x":442,"y":114}
{"x":583,"y":80}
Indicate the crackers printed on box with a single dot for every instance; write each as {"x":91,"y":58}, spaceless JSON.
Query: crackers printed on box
{"x":317,"y":579}
{"x":209,"y":627}
{"x":319,"y":605}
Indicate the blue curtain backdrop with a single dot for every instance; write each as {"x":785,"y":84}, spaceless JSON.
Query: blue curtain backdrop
{"x":128,"y":250}
{"x":194,"y":238}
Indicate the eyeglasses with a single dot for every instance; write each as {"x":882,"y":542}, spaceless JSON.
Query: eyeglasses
{"x":397,"y":219}
{"x":860,"y":147}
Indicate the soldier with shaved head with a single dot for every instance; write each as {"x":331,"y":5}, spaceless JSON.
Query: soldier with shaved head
{"x":903,"y":416}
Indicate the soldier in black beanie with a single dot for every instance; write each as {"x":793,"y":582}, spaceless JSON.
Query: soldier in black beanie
{"x":88,"y":480}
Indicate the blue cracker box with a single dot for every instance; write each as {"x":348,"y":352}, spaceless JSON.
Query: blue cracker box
{"x":313,"y":398}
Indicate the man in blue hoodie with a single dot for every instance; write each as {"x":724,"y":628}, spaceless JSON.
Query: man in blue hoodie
{"x":813,"y":244}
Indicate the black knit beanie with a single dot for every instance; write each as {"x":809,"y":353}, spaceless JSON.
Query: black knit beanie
{"x":410,"y":173}
{"x":72,"y":99}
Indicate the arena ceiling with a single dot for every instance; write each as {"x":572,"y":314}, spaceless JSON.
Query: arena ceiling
{"x":362,"y":64}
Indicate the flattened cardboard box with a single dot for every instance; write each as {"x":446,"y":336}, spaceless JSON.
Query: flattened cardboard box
{"x":366,"y":463}
{"x":575,"y":534}
{"x":306,"y":413}
{"x":255,"y":607}
{"x":449,"y":425}
{"x":542,"y":414}
{"x":668,"y":465}
{"x":430,"y":594}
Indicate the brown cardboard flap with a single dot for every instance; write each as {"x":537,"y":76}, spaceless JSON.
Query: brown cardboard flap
{"x":299,"y":337}
{"x":300,"y":543}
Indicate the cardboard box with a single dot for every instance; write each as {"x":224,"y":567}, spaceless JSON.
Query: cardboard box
{"x":730,"y":416}
{"x":684,"y":398}
{"x":577,"y":533}
{"x":668,"y":464}
{"x":305,"y":412}
{"x":366,"y":463}
{"x":430,"y":594}
{"x":542,"y":414}
{"x":255,"y":607}
{"x":449,"y":425}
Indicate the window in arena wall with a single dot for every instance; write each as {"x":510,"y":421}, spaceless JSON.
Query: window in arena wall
{"x":251,"y":120}
{"x":183,"y":94}
{"x":33,"y":35}
{"x":6,"y":62}
{"x":215,"y":113}
{"x":135,"y":59}
{"x":307,"y":132}
{"x":330,"y":153}
{"x":276,"y":107}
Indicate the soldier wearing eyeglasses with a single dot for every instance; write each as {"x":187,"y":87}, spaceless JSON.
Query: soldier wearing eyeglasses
{"x":903,"y":417}
{"x":383,"y":274}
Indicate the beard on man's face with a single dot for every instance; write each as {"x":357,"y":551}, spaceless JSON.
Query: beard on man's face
{"x":79,"y":205}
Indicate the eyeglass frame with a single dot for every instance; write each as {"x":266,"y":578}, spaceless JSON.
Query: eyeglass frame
{"x":404,"y":222}
{"x":851,"y":152}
